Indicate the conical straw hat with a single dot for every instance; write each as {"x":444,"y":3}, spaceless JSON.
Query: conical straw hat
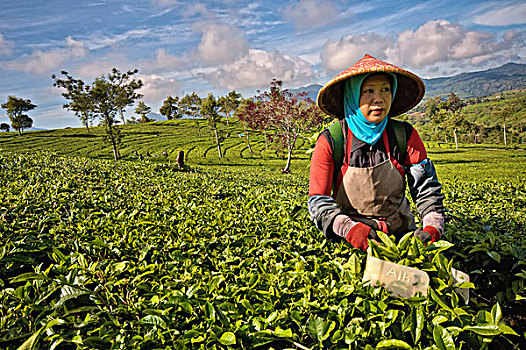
{"x":409,"y":92}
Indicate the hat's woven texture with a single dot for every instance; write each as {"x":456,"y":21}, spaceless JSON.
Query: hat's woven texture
{"x":409,"y":92}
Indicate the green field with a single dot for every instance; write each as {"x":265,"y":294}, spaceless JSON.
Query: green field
{"x":470,"y":163}
{"x":171,"y":136}
{"x":134,"y":254}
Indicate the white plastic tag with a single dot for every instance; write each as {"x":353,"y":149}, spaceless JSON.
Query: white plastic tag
{"x":459,"y":277}
{"x":400,"y":280}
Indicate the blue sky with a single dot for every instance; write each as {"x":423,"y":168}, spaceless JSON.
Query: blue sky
{"x":217,"y":46}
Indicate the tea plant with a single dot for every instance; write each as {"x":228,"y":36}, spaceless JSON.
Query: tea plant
{"x":103,"y":255}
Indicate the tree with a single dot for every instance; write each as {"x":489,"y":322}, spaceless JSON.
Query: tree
{"x":78,"y":93}
{"x":25,"y":122}
{"x":209,"y":110}
{"x":170,"y":109}
{"x":455,"y":120}
{"x":125,"y":89}
{"x":240,"y":113}
{"x":15,"y":107}
{"x":253,"y":116}
{"x":446,"y":115}
{"x":4,"y":127}
{"x":143,"y":110}
{"x":505,"y":114}
{"x":190,"y":105}
{"x":104,"y":96}
{"x":290,"y":115}
{"x":432,"y":107}
{"x":434,"y":112}
{"x":229,"y":103}
{"x":132,"y":120}
{"x":102,"y":100}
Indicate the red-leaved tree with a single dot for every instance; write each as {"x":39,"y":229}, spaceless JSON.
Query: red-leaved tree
{"x":287,"y":114}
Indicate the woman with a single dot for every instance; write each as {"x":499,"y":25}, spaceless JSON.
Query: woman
{"x":363,"y":190}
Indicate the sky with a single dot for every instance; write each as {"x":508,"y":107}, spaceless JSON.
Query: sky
{"x":217,"y":46}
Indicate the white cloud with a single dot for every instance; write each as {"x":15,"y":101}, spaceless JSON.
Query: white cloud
{"x":472,"y":44}
{"x":162,"y":13}
{"x":341,"y":54}
{"x":5,"y":46}
{"x":42,"y":62}
{"x":482,"y":59}
{"x":258,"y":68}
{"x":156,"y":88}
{"x":310,"y":13}
{"x":165,"y":3}
{"x":434,"y":44}
{"x":220,"y":43}
{"x":510,"y":35}
{"x":98,"y":42}
{"x":163,"y":62}
{"x":441,"y":41}
{"x":428,"y":44}
{"x":199,"y":9}
{"x":103,"y":65}
{"x":505,"y":16}
{"x":76,"y":48}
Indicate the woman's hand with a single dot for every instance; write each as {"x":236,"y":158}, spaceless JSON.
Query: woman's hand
{"x":428,"y":234}
{"x":354,"y":232}
{"x":358,"y":235}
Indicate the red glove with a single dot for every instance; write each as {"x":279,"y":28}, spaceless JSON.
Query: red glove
{"x":357,"y":236}
{"x":428,"y":234}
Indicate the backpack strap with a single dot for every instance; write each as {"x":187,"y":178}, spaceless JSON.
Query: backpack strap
{"x":336,"y":138}
{"x":335,"y":129}
{"x":401,"y":136}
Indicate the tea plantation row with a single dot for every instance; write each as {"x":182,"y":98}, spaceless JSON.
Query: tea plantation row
{"x":104,"y":255}
{"x":151,"y":140}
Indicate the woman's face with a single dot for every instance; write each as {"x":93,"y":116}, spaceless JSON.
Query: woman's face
{"x":375,"y":97}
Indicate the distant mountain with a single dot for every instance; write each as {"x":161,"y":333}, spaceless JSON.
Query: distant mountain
{"x":473,"y":84}
{"x":510,"y":76}
{"x":311,"y":90}
{"x":156,"y":116}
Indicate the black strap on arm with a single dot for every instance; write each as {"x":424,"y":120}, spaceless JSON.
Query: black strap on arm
{"x":401,"y":136}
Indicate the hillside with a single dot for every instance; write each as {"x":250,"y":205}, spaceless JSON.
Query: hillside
{"x":510,"y":76}
{"x":486,"y":110}
{"x":484,"y":119}
{"x":473,"y":84}
{"x":152,"y":140}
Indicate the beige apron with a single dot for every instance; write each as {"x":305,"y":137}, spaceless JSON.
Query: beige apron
{"x":376,"y":193}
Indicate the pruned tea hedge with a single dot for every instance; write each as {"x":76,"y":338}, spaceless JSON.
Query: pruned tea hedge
{"x":104,"y":255}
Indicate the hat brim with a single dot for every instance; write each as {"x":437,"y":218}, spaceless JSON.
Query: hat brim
{"x":409,"y":93}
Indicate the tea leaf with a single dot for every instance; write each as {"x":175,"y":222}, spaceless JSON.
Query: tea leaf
{"x":443,"y":339}
{"x":393,"y":344}
{"x":228,"y":338}
{"x":488,"y":329}
{"x":153,"y":320}
{"x":417,"y":323}
{"x":496,"y":313}
{"x":495,"y":256}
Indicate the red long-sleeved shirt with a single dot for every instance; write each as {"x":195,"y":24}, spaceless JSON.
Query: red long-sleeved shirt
{"x":361,"y":154}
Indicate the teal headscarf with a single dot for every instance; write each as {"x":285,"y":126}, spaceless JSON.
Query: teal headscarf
{"x":361,"y":127}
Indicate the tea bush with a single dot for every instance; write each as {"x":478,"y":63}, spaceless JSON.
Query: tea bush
{"x":105,"y":255}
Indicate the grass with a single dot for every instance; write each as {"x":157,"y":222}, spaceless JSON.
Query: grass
{"x":479,"y":164}
{"x":470,"y":163}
